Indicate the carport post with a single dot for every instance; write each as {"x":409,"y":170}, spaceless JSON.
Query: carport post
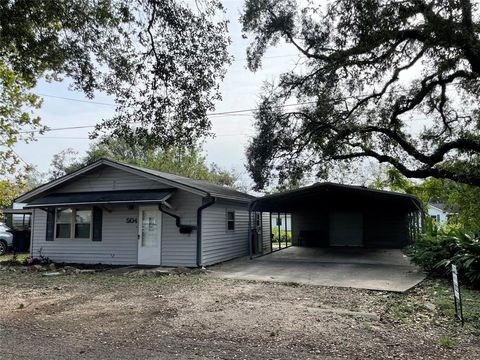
{"x":250,"y":207}
{"x":279,"y":216}
{"x":286,"y":231}
{"x":271,"y":233}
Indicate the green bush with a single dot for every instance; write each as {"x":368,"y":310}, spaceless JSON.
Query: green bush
{"x":282,"y":233}
{"x":438,"y":249}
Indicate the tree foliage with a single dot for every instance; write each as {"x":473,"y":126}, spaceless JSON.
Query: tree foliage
{"x":184,"y":161}
{"x":462,"y":200}
{"x":161,"y":61}
{"x":397,"y":81}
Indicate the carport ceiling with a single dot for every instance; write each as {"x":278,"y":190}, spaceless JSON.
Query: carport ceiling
{"x":331,"y":196}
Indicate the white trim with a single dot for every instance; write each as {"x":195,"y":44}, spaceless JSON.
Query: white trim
{"x":227,"y":221}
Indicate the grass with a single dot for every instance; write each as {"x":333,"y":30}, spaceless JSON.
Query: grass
{"x":106,"y":280}
{"x":446,"y":342}
{"x":433,"y":302}
{"x":8,"y":259}
{"x":441,"y":294}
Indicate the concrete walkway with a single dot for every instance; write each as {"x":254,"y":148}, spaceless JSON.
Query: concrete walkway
{"x":374,"y":269}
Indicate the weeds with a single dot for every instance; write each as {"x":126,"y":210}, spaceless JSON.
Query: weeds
{"x":446,"y":342}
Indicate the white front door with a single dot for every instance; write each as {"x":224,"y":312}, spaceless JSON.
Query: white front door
{"x":149,"y":234}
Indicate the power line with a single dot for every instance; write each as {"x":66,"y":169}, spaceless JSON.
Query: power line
{"x":240,"y":112}
{"x":87,"y":138}
{"x":273,"y":57}
{"x":93,"y":102}
{"x":21,"y":159}
{"x":77,"y":100}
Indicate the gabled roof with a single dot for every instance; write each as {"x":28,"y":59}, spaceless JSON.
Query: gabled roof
{"x":199,"y":187}
{"x":447,"y":209}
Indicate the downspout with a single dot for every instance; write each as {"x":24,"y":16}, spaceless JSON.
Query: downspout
{"x":210,"y":202}
{"x":184,"y":229}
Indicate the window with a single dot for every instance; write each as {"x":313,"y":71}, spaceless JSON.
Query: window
{"x":64,"y":223}
{"x":230,"y":220}
{"x":83,"y":222}
{"x":73,"y":223}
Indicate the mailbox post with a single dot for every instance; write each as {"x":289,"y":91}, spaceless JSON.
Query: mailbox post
{"x":457,"y":295}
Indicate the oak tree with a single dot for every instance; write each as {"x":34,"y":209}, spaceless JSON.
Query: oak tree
{"x":396,"y":81}
{"x":160,"y":60}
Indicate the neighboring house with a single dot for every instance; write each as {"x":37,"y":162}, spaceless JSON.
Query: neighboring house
{"x":114,"y":213}
{"x":439,"y":212}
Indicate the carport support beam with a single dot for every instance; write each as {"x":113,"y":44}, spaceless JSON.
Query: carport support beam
{"x":279,"y":218}
{"x":250,"y":207}
{"x":271,"y":233}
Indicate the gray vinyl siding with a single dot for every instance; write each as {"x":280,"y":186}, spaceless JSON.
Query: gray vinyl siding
{"x":180,"y":249}
{"x":108,"y":179}
{"x":118,"y":245}
{"x":119,"y":239}
{"x":218,"y":243}
{"x":266,"y":232}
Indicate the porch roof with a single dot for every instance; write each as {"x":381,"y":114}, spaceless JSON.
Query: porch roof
{"x":102,"y":197}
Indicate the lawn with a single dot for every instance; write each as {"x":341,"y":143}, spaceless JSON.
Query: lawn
{"x":432,"y":301}
{"x":8,"y":258}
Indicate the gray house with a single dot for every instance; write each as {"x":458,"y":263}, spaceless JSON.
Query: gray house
{"x":114,"y":213}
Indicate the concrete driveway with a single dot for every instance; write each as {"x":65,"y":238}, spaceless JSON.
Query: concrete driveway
{"x":362,"y":268}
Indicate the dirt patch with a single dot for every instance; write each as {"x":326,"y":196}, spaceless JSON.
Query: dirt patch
{"x":195,"y":316}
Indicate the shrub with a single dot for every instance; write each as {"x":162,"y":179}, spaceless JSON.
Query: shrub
{"x":438,"y":249}
{"x":37,"y":260}
{"x":282,"y":235}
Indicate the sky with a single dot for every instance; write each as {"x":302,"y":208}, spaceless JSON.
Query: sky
{"x":240,"y":90}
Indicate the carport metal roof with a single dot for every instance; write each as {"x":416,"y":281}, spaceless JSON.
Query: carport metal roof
{"x":335,"y":196}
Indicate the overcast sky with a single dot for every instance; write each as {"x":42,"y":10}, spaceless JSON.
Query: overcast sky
{"x":240,"y":90}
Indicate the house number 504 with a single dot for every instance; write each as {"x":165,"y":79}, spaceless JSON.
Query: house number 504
{"x":131,"y":220}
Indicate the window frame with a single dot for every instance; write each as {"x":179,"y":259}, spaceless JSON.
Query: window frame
{"x":73,"y":222}
{"x":228,"y":221}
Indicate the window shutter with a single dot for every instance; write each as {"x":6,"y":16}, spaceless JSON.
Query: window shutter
{"x":50,"y":224}
{"x":97,"y":224}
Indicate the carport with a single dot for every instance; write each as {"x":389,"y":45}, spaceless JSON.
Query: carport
{"x":332,"y":235}
{"x":335,"y":215}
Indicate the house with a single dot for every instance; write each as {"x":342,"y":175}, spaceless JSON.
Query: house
{"x":114,"y":213}
{"x":439,"y":212}
{"x":337,"y":215}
